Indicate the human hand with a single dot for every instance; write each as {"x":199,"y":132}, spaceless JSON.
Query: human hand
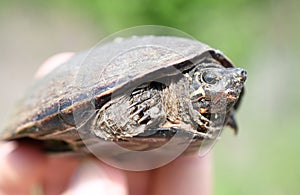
{"x":25,"y":169}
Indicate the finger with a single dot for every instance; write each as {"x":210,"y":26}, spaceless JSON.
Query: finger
{"x":21,"y":166}
{"x":57,"y":172}
{"x":53,"y":62}
{"x":96,"y":178}
{"x":186,"y":175}
{"x":139,"y":182}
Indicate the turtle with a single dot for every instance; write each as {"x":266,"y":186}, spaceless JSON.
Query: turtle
{"x":137,"y":91}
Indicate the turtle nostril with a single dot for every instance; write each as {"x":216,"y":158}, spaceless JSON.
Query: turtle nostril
{"x":243,"y":74}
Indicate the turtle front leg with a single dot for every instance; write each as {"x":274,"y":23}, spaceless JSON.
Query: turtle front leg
{"x":126,"y":116}
{"x":146,"y":107}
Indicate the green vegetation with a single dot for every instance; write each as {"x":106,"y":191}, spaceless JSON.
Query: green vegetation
{"x":219,"y":23}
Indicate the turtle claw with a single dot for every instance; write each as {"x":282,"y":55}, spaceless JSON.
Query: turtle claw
{"x":203,"y":118}
{"x":139,"y":110}
{"x":137,"y":91}
{"x":142,"y":101}
{"x":133,"y":104}
{"x":144,"y":118}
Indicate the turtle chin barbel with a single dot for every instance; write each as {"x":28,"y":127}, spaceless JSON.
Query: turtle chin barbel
{"x":157,"y":86}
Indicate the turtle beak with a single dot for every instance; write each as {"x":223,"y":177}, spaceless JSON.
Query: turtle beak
{"x":238,"y":80}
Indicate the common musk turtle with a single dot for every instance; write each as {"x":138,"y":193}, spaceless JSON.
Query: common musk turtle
{"x":137,"y":92}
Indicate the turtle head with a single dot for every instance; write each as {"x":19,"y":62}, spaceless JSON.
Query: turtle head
{"x":214,"y":88}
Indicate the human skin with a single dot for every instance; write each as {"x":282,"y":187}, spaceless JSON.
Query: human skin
{"x":25,"y":169}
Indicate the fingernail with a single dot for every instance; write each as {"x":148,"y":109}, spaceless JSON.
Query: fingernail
{"x":53,"y":62}
{"x":89,"y":178}
{"x":6,"y":148}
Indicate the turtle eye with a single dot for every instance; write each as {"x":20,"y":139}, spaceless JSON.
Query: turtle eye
{"x":209,"y":77}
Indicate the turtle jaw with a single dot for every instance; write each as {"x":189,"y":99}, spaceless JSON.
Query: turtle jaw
{"x":234,"y":86}
{"x":219,"y":102}
{"x":188,"y":129}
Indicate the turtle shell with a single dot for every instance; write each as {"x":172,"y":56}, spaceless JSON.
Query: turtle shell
{"x":90,"y":78}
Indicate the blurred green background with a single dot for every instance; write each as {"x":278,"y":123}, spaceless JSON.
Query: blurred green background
{"x":260,"y":36}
